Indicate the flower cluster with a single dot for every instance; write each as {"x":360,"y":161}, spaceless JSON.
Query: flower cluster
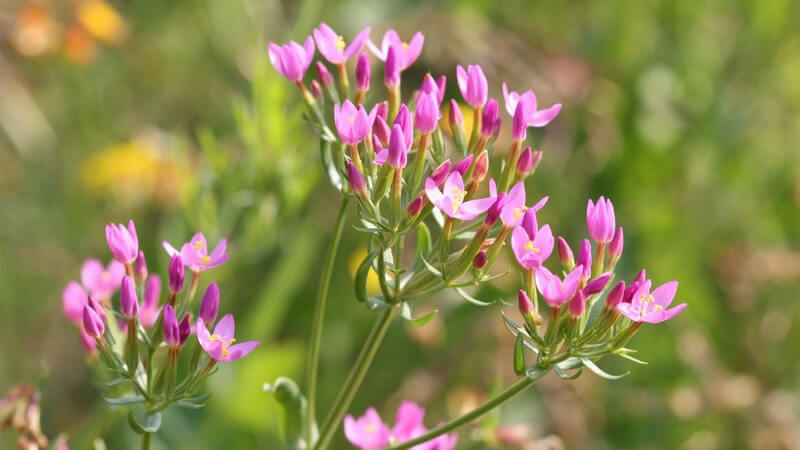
{"x":369,"y":432}
{"x":408,"y":176}
{"x":155,"y":333}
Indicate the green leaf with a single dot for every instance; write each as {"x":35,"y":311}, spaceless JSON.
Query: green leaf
{"x":519,"y":355}
{"x":424,"y":243}
{"x":362,"y":274}
{"x":405,"y":312}
{"x":470,"y":298}
{"x":564,"y":375}
{"x":377,"y":303}
{"x":195,"y":402}
{"x":122,"y":401}
{"x":599,"y":372}
{"x":430,"y":267}
{"x":626,"y":353}
{"x":294,"y":407}
{"x":144,"y":422}
{"x":329,"y":163}
{"x":116,"y":381}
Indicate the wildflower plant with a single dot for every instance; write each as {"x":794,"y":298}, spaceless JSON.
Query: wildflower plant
{"x":437,"y":217}
{"x":437,"y":220}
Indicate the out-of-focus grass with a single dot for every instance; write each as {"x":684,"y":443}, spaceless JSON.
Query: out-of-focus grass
{"x":685,"y":113}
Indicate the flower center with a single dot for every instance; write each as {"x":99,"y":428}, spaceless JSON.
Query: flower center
{"x":198,"y":245}
{"x":339,"y":42}
{"x":530,"y":247}
{"x":105,"y":276}
{"x":405,"y":45}
{"x":371,"y":428}
{"x":205,"y":259}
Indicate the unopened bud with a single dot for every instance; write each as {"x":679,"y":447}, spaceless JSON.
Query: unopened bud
{"x":519,"y":123}
{"x":415,"y":206}
{"x":494,"y":211}
{"x":480,"y":260}
{"x":596,"y":285}
{"x":537,"y":158}
{"x":440,"y":173}
{"x":184,"y":328}
{"x":381,"y":130}
{"x":463,"y":166}
{"x":316,"y":90}
{"x":323,"y":75}
{"x":357,"y":183}
{"x":391,"y":71}
{"x":92,"y":323}
{"x":527,"y":310}
{"x":455,"y":116}
{"x":140,"y":268}
{"x":210,"y":305}
{"x":525,"y":162}
{"x":614,"y":297}
{"x":382,"y":111}
{"x":565,"y":255}
{"x":172,"y":334}
{"x":175,"y":274}
{"x":128,"y":302}
{"x":362,"y":72}
{"x":491,"y":118}
{"x":577,"y":305}
{"x":585,"y":259}
{"x":615,"y":246}
{"x":481,"y":167}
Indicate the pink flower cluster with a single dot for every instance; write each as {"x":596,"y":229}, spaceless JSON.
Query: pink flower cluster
{"x":369,"y":432}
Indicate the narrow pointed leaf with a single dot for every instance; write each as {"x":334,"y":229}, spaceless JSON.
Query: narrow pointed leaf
{"x":599,"y":372}
{"x":519,"y":355}
{"x":122,"y":401}
{"x":405,"y":312}
{"x":470,"y":298}
{"x":362,"y":275}
{"x":143,"y":422}
{"x":293,"y":404}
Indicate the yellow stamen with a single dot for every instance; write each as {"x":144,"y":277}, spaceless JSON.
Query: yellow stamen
{"x":205,"y":259}
{"x":371,"y":428}
{"x":529,"y":247}
{"x":214,"y":337}
{"x":340,"y":43}
{"x":198,"y":245}
{"x":225,"y":352}
{"x":405,"y":45}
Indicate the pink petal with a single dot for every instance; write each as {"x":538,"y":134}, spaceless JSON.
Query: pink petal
{"x":665,"y":293}
{"x":543,"y":117}
{"x":414,"y":49}
{"x":241,"y":350}
{"x":92,"y":274}
{"x":357,"y":44}
{"x":461,"y":78}
{"x":431,"y":190}
{"x":225,"y":327}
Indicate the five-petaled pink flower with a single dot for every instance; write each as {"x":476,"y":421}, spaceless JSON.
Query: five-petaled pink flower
{"x":451,"y":200}
{"x":555,"y":291}
{"x":651,"y":307}
{"x":600,"y":220}
{"x":292,"y":60}
{"x":406,"y":54}
{"x":353,"y":124}
{"x":220,"y":345}
{"x":123,"y":242}
{"x":532,"y":116}
{"x":370,"y":432}
{"x":194,"y":253}
{"x":102,"y":282}
{"x":532,"y":245}
{"x":473,"y":85}
{"x":333,"y":47}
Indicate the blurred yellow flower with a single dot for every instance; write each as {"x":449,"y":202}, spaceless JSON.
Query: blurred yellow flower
{"x":466,"y":111}
{"x":373,"y":285}
{"x":102,"y":21}
{"x":133,"y":170}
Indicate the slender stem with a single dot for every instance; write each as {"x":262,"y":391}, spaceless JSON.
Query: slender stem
{"x":147,"y":439}
{"x":492,"y":403}
{"x":319,"y":315}
{"x":355,"y":377}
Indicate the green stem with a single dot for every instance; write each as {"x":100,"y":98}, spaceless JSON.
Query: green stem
{"x":494,"y":402}
{"x":355,"y":378}
{"x":147,"y":439}
{"x":319,"y":315}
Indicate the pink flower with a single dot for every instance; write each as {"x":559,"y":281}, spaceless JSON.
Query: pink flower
{"x":600,"y":220}
{"x":434,"y":87}
{"x":194,"y":253}
{"x":73,"y":299}
{"x":150,"y":305}
{"x":651,"y":307}
{"x":292,"y":60}
{"x":407,"y":53}
{"x":531,"y":245}
{"x":333,"y":47}
{"x":451,"y":200}
{"x":353,"y":124}
{"x":427,"y":113}
{"x":220,"y":345}
{"x":123,"y":242}
{"x":533,"y":116}
{"x":368,"y":432}
{"x":92,"y":322}
{"x":407,"y":420}
{"x":473,"y":85}
{"x":515,"y":208}
{"x":555,"y":291}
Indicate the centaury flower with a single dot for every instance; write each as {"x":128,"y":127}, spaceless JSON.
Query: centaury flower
{"x":407,"y":53}
{"x":473,"y":85}
{"x":451,"y":200}
{"x":600,"y":220}
{"x":651,"y":307}
{"x":368,"y":432}
{"x":292,"y":60}
{"x":220,"y":345}
{"x":353,"y":124}
{"x":555,"y":291}
{"x":533,"y":117}
{"x":194,"y":253}
{"x":123,"y":242}
{"x":531,"y":245}
{"x":333,"y":47}
{"x":102,"y":282}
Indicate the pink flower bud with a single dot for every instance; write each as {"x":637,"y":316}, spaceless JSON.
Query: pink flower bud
{"x":416,"y":206}
{"x":391,"y":70}
{"x":210,"y":304}
{"x":585,"y":259}
{"x":123,"y":242}
{"x":426,"y":114}
{"x":565,"y":254}
{"x":491,"y":118}
{"x":140,"y":267}
{"x":494,"y":211}
{"x":525,"y":304}
{"x":96,"y":307}
{"x":525,"y":162}
{"x":600,"y":220}
{"x":463,"y":166}
{"x":614,"y":297}
{"x":175,"y":274}
{"x":323,"y":75}
{"x":381,"y":130}
{"x":184,"y":328}
{"x":480,"y":260}
{"x":362,"y":72}
{"x":455,"y":116}
{"x":383,"y":110}
{"x":473,"y":85}
{"x":128,"y":302}
{"x":615,"y":247}
{"x":172,"y":334}
{"x":357,"y":183}
{"x":398,"y":152}
{"x":440,"y":173}
{"x":596,"y":285}
{"x":519,"y":124}
{"x":577,"y":305}
{"x":92,"y":323}
{"x":481,"y":167}
{"x":627,"y":296}
{"x":316,"y":90}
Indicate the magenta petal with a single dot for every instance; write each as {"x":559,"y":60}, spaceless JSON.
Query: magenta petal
{"x":519,"y":237}
{"x":432,"y":191}
{"x":73,"y":300}
{"x":241,"y":350}
{"x":225,"y":327}
{"x":409,"y":417}
{"x":665,"y":293}
{"x":543,"y":117}
{"x":357,"y":43}
{"x":414,"y":49}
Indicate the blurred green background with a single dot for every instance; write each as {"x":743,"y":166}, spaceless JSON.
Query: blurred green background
{"x":686,"y":113}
